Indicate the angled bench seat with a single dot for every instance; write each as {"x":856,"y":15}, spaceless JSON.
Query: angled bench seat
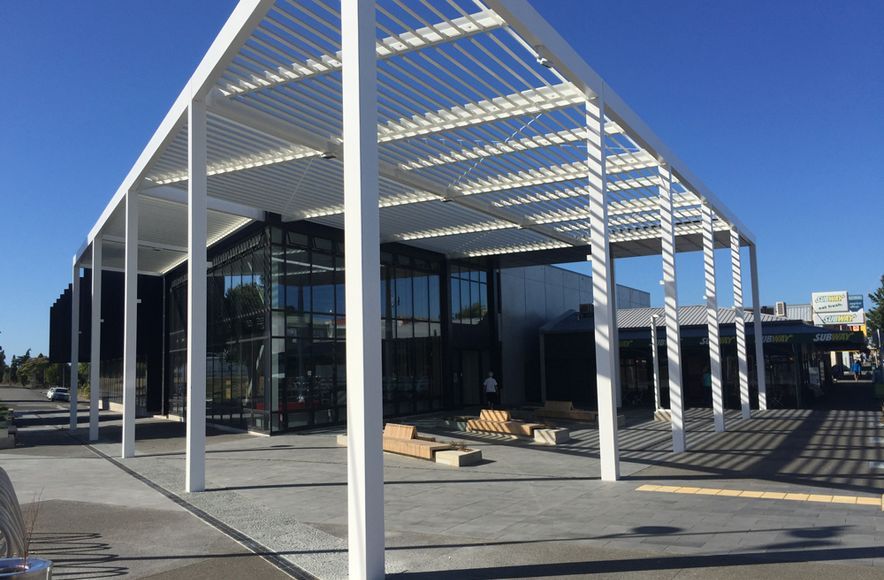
{"x":499,"y":421}
{"x":565,"y":410}
{"x":404,"y":440}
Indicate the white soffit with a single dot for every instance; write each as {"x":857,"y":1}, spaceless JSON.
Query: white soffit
{"x":482,"y":132}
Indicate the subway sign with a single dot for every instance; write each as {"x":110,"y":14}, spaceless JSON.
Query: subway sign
{"x":829,"y":301}
{"x":853,"y":318}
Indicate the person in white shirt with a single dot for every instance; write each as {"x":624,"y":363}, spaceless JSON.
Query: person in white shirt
{"x":492,"y":393}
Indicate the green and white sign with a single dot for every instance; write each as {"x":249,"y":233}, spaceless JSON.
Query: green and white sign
{"x":829,"y":301}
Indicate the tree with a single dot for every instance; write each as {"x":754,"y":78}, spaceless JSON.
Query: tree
{"x":52,"y":375}
{"x":17,"y":362}
{"x":875,"y":315}
{"x":3,"y":365}
{"x":33,"y":370}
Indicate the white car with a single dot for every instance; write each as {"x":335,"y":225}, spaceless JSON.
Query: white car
{"x":51,"y":392}
{"x":60,"y":394}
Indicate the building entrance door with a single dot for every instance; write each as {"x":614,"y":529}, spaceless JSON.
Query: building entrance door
{"x":472,"y":366}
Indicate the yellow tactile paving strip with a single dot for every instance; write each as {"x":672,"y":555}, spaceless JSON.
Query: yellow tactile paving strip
{"x":841,"y":499}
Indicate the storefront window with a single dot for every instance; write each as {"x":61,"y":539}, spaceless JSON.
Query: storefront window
{"x":304,"y":303}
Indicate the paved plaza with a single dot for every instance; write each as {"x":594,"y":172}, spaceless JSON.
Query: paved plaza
{"x":526,"y":511}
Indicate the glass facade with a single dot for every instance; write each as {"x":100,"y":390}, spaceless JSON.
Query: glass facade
{"x":469,"y":294}
{"x":277,"y":332}
{"x":110,"y":376}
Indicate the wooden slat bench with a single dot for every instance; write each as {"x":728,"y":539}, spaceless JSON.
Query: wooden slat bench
{"x":499,"y":421}
{"x":565,"y":410}
{"x":404,"y":440}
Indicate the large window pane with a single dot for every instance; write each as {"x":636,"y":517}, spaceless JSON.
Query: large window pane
{"x":404,"y":305}
{"x":435,"y":300}
{"x":323,"y":283}
{"x":421,"y":297}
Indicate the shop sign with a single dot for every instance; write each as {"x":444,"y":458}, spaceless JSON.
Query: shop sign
{"x":855,"y":302}
{"x":829,"y":301}
{"x":858,"y":317}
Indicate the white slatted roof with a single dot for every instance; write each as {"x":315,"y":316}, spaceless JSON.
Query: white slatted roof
{"x":482,"y":128}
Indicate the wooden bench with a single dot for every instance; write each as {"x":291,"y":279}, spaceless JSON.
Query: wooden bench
{"x":499,"y":421}
{"x":565,"y":410}
{"x":404,"y":440}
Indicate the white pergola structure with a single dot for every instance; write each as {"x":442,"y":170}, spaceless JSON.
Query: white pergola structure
{"x":466,"y":127}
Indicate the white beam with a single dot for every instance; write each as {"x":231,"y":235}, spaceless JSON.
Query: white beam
{"x":759,"y":335}
{"x":259,"y":121}
{"x":670,"y":298}
{"x":243,"y":163}
{"x":365,"y":460}
{"x":146,"y":244}
{"x":179,"y":196}
{"x":394,"y":45}
{"x":606,"y":351}
{"x":75,"y":344}
{"x":527,"y":102}
{"x":197,"y":217}
{"x":130,"y":325}
{"x":740,"y":323}
{"x":239,"y":26}
{"x":546,"y":176}
{"x":616,"y":163}
{"x":95,"y":346}
{"x":712,"y":320}
{"x":538,"y":36}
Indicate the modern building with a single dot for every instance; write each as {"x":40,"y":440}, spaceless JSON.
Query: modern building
{"x":276,"y":336}
{"x":438,"y":141}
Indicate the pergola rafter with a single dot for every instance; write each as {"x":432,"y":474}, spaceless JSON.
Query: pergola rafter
{"x":394,"y":45}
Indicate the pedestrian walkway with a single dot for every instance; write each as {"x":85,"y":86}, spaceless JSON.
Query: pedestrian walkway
{"x":531,"y":511}
{"x":94,"y":520}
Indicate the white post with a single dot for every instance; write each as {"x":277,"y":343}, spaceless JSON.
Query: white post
{"x":759,"y":335}
{"x":670,"y":304}
{"x":75,"y":344}
{"x":365,"y":460}
{"x":658,"y":403}
{"x":615,"y":331}
{"x":712,"y":320}
{"x":740,"y":323}
{"x":195,"y":478}
{"x":130,"y":324}
{"x":95,"y":345}
{"x":606,"y":351}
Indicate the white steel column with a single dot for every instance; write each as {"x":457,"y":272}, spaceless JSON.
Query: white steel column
{"x":759,"y":335}
{"x":130,"y":324}
{"x":365,"y":460}
{"x":195,"y":478}
{"x":95,"y":345}
{"x":615,"y":331}
{"x":606,"y":351}
{"x":75,"y":343}
{"x":658,"y":403}
{"x":670,"y":303}
{"x":712,"y":320}
{"x":740,"y":323}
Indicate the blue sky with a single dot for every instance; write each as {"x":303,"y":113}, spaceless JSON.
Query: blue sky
{"x":777,"y":106}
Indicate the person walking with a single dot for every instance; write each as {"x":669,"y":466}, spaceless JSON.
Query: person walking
{"x":856,"y":369}
{"x":492,"y":392}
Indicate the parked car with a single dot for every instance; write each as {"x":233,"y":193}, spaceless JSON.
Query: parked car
{"x":50,"y":392}
{"x":60,"y":394}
